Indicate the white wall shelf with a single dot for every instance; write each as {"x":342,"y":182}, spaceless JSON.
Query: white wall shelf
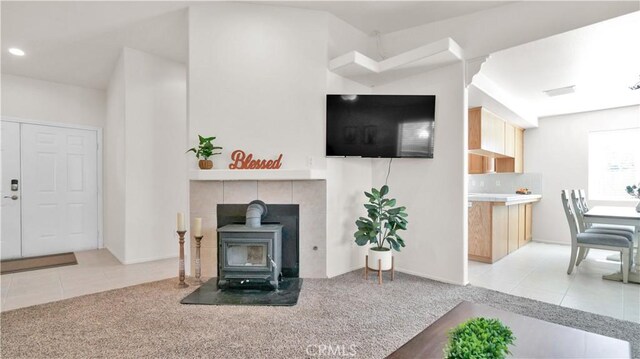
{"x":362,"y":69}
{"x":257,"y":175}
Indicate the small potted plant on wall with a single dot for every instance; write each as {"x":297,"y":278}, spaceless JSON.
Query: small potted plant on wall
{"x":381,"y":226}
{"x":205,"y":150}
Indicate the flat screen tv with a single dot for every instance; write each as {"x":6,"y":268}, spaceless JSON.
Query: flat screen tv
{"x":389,"y":126}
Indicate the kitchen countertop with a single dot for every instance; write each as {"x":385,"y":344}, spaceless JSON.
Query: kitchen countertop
{"x":506,"y":198}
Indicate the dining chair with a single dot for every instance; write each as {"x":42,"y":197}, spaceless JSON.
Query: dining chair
{"x":582,"y":200}
{"x":584,"y":228}
{"x":581,"y":240}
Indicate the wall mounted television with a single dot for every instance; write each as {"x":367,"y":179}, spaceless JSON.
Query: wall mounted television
{"x":386,"y":126}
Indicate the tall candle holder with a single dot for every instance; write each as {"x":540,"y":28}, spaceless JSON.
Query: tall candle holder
{"x":181,"y":275}
{"x":198,"y":265}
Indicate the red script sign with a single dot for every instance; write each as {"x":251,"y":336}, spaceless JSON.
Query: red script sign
{"x":242,"y":161}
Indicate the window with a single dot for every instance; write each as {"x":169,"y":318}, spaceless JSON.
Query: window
{"x":614,"y":163}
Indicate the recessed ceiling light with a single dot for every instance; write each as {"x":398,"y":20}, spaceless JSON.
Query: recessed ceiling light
{"x":561,"y":91}
{"x":16,"y":51}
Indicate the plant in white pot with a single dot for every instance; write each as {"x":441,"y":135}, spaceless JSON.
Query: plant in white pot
{"x":381,"y":226}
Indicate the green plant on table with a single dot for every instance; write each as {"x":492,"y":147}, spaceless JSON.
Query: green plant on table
{"x":383,"y":222}
{"x":479,"y":338}
{"x":206,"y":148}
{"x":634,"y":190}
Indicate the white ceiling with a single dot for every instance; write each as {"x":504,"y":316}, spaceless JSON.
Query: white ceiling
{"x":601,"y":60}
{"x":390,"y":16}
{"x":79,"y":42}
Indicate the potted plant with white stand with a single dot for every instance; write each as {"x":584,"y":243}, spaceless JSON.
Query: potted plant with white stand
{"x":380,"y":228}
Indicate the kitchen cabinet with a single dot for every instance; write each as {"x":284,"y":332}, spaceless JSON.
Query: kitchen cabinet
{"x":486,"y":133}
{"x":515,"y":164}
{"x":481,"y":164}
{"x":494,"y":145}
{"x":497,"y":229}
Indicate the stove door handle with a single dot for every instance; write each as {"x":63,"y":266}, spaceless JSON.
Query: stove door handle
{"x":274,"y":264}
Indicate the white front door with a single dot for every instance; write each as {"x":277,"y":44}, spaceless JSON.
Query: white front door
{"x":10,"y":147}
{"x":59,"y":190}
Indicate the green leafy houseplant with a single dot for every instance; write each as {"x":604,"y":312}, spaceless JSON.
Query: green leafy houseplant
{"x":383,"y":222}
{"x":634,"y":190}
{"x":479,"y":338}
{"x":206,"y":148}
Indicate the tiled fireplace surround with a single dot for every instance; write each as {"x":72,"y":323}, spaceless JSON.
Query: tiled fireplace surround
{"x":310,"y":195}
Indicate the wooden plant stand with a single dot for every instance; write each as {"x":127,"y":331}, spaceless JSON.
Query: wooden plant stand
{"x":379,"y":269}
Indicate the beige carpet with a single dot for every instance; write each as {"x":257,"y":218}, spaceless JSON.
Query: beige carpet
{"x":33,"y":263}
{"x":148,"y":321}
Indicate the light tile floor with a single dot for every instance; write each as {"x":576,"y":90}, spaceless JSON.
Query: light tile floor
{"x":96,"y":271}
{"x":539,"y":271}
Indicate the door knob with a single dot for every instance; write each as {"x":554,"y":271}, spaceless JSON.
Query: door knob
{"x":13,"y":197}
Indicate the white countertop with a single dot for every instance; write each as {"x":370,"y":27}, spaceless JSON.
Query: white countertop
{"x":508,"y":198}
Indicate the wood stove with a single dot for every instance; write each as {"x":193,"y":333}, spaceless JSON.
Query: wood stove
{"x":249,"y":256}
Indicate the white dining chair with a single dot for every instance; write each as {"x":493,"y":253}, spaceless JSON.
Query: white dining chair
{"x":584,"y":228}
{"x":582,"y":200}
{"x":581,"y":240}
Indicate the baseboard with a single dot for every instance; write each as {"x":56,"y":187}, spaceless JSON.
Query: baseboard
{"x":149,"y":259}
{"x":430,"y":277}
{"x":353,"y":268}
{"x":550,"y":242}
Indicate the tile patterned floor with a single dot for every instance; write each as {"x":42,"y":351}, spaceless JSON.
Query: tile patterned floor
{"x":96,"y":271}
{"x":539,"y":271}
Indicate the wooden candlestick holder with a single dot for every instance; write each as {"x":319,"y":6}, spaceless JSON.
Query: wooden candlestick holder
{"x":379,"y":269}
{"x":181,"y":275}
{"x":198,"y":264}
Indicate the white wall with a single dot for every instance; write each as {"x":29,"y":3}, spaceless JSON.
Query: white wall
{"x":145,"y":138}
{"x":155,"y":167}
{"x":347,"y":179}
{"x":114,"y":164}
{"x":27,"y":98}
{"x":434,"y":190}
{"x":558,"y":149}
{"x":257,"y":80}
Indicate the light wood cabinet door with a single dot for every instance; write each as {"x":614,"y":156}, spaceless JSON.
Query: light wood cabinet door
{"x":528,"y":222}
{"x":515,"y":164}
{"x":499,"y":232}
{"x":480,"y":221}
{"x":513,"y":228}
{"x":519,"y":151}
{"x":509,"y":140}
{"x":476,"y":164}
{"x":486,"y":133}
{"x":522,"y":228}
{"x":481,"y":164}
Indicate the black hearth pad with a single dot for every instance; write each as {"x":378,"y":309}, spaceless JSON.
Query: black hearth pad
{"x":209,"y":294}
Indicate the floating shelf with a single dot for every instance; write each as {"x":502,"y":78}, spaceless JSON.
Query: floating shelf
{"x":257,"y":175}
{"x":362,"y":69}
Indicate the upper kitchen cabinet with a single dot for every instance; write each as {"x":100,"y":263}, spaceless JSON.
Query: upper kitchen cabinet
{"x":494,"y":144}
{"x":486,"y":133}
{"x":513,"y":164}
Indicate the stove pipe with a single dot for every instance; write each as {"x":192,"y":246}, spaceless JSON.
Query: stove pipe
{"x":255,"y":211}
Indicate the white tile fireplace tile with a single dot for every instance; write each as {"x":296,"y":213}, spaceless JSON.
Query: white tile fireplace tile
{"x":275,"y":192}
{"x":204,"y":195}
{"x":240,"y":192}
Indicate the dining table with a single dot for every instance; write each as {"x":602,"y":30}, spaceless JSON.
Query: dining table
{"x":622,"y":216}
